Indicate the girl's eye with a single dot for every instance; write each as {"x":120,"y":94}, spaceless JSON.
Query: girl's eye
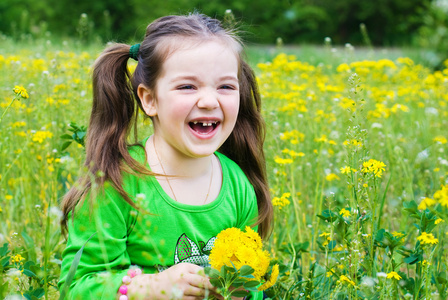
{"x":227,"y":87}
{"x":186,"y":87}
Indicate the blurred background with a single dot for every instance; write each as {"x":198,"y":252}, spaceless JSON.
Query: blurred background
{"x":379,"y":23}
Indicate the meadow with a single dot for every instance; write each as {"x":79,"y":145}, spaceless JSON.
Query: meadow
{"x":356,"y":147}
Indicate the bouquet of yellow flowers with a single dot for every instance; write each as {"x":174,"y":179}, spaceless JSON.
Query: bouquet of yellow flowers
{"x":239,"y":263}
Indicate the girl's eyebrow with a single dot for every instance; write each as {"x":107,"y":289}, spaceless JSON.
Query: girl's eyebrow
{"x":195,"y":78}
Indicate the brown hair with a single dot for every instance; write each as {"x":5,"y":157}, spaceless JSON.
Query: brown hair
{"x":114,"y":111}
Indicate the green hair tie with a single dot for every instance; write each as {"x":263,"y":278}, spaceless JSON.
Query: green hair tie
{"x":133,"y":51}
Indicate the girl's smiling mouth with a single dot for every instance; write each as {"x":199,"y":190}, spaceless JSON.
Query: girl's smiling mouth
{"x":204,"y":127}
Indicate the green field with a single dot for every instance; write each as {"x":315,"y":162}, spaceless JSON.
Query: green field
{"x":356,"y":148}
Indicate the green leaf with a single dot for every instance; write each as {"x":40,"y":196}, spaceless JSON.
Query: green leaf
{"x":240,"y":293}
{"x":251,"y":284}
{"x":412,"y":259}
{"x":72,"y":271}
{"x":29,"y":273}
{"x":65,"y":145}
{"x":29,"y":242}
{"x":66,"y":136}
{"x":331,"y":245}
{"x":5,"y":261}
{"x":216,"y":283}
{"x":328,"y":215}
{"x":246,"y":270}
{"x":4,"y":249}
{"x":212,"y":273}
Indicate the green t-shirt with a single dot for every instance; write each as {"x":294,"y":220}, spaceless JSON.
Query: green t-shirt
{"x":163,"y":233}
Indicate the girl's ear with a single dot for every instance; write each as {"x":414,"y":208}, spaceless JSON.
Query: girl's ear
{"x":148,"y":100}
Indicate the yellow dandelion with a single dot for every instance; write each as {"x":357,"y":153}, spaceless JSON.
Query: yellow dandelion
{"x":426,"y":202}
{"x":440,"y":139}
{"x":345,"y":279}
{"x":345,"y":170}
{"x":331,"y":177}
{"x":344,"y":213}
{"x":20,"y":91}
{"x":393,"y":275}
{"x":427,"y":239}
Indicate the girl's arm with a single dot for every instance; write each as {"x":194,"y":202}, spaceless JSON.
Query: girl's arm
{"x":104,"y":260}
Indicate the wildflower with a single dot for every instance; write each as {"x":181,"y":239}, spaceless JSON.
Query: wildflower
{"x":344,"y":213}
{"x":8,"y":197}
{"x":373,"y":166}
{"x":40,"y":136}
{"x":283,"y":161}
{"x":393,"y":275}
{"x":331,"y":177}
{"x":20,"y":91}
{"x":426,"y":202}
{"x":440,"y":139}
{"x":427,"y":238}
{"x":397,"y":234}
{"x":345,"y":170}
{"x":438,"y":221}
{"x":347,"y":280}
{"x":442,"y":195}
{"x":233,"y":246}
{"x":330,"y":273}
{"x":272,"y":279}
{"x":17,"y":259}
{"x":282,"y":201}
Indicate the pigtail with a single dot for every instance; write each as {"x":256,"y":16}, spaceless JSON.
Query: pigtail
{"x":113,"y":113}
{"x":245,"y":146}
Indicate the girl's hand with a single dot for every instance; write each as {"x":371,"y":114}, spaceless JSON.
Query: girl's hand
{"x":181,"y":281}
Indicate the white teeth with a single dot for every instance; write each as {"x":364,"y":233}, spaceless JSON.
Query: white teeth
{"x":206,"y":123}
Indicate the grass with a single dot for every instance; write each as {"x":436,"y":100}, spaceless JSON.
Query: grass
{"x":356,"y":151}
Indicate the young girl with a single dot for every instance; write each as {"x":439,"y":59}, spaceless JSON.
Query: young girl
{"x":147,"y":214}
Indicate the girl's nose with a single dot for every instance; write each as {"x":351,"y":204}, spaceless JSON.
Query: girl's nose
{"x":208,"y":100}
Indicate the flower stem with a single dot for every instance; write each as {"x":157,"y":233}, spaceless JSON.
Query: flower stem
{"x":4,"y":112}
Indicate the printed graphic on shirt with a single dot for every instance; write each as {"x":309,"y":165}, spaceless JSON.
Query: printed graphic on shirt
{"x":189,"y":252}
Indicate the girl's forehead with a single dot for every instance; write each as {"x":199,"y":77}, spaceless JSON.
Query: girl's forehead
{"x":169,"y":46}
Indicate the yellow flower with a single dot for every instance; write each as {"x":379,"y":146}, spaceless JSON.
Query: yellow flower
{"x":373,"y":166}
{"x":8,"y":197}
{"x":345,"y":170}
{"x":397,"y":234}
{"x":20,"y":91}
{"x":440,"y":139}
{"x":442,"y":195}
{"x":438,"y":221}
{"x":426,"y":202}
{"x":17,"y":258}
{"x":344,"y":212}
{"x":427,"y":238}
{"x":393,"y":275}
{"x":40,"y":136}
{"x":282,"y":201}
{"x":272,"y":279}
{"x":331,"y":177}
{"x":233,"y":246}
{"x":345,"y":279}
{"x":283,"y":161}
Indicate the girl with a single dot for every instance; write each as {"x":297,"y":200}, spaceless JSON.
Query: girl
{"x":159,"y":204}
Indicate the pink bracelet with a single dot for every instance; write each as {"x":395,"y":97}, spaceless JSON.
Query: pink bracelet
{"x":123,"y":290}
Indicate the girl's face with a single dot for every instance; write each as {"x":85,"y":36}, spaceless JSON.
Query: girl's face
{"x":195,"y":105}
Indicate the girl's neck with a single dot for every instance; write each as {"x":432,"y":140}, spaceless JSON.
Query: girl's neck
{"x":164,"y":159}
